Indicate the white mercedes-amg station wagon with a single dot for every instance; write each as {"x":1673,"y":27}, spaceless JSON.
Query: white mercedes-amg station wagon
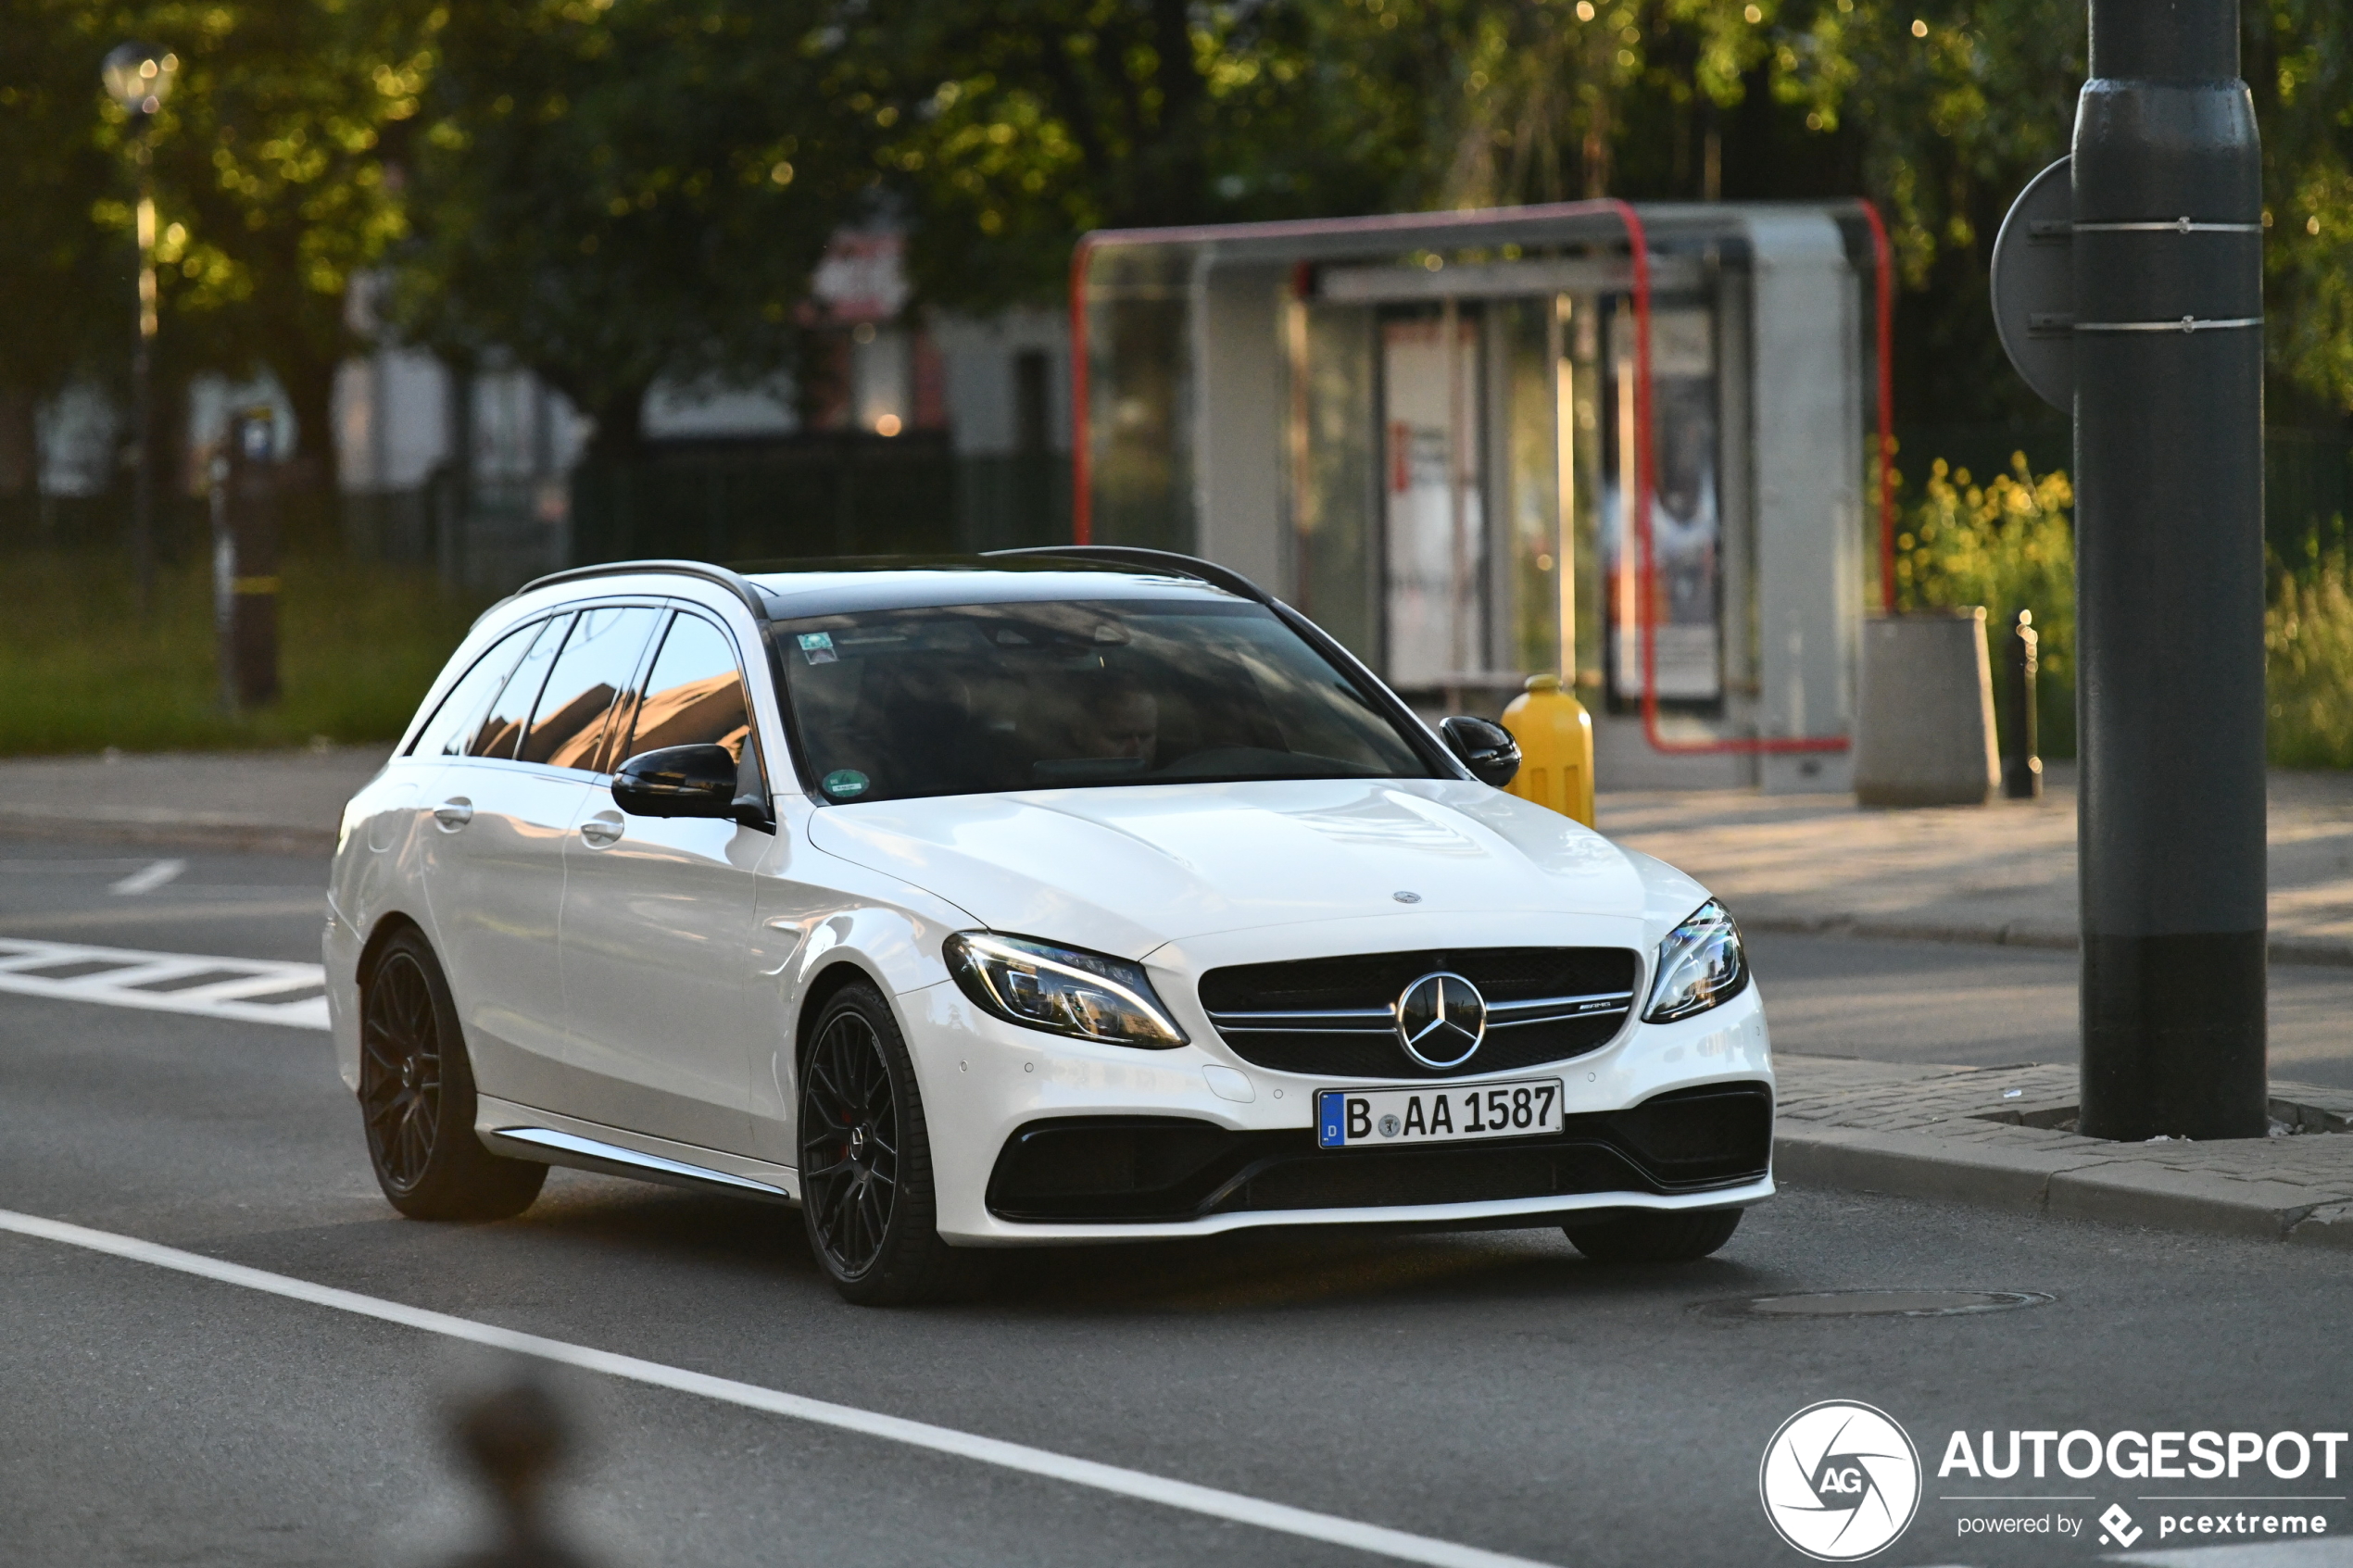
{"x":1040,"y":897}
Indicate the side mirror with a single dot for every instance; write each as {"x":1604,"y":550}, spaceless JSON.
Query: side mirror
{"x":684,"y":781}
{"x":1488,"y":750}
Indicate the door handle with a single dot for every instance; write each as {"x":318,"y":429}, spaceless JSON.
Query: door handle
{"x":603,"y":828}
{"x":454,"y":813}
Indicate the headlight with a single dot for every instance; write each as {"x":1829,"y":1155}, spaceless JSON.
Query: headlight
{"x":1701,"y":965}
{"x":1061,"y":990}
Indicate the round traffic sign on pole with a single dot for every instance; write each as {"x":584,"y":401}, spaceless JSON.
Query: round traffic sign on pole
{"x":2034,"y":284}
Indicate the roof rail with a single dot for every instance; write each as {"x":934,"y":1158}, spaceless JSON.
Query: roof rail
{"x":734,"y":581}
{"x":1162,"y":561}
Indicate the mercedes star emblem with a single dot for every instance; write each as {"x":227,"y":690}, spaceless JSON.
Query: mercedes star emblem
{"x":1440,"y":1020}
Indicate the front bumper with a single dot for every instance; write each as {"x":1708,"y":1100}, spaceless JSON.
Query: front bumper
{"x":1242,"y":1153}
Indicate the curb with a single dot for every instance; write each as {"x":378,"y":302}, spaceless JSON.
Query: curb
{"x":169,"y":829}
{"x":2058,"y":1184}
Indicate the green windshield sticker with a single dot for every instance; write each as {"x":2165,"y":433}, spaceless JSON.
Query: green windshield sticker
{"x":817,"y":648}
{"x":844,"y":784}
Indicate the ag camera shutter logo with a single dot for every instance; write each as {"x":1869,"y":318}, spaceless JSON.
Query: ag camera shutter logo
{"x":1839,"y":1481}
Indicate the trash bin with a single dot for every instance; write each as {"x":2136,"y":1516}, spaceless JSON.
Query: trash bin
{"x":1925,"y":732}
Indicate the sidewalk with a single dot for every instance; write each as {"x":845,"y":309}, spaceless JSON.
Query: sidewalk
{"x":286,"y":801}
{"x":2003,"y":873}
{"x":2001,"y":1137}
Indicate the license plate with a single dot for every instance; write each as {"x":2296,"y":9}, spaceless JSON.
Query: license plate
{"x":1378,"y":1118}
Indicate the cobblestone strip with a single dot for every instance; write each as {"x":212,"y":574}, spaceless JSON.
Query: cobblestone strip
{"x":1988,"y":1135}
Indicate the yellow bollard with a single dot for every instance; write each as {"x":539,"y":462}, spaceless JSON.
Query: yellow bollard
{"x":1556,"y":736}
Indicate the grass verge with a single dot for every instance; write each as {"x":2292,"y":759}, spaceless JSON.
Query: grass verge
{"x":82,"y":670}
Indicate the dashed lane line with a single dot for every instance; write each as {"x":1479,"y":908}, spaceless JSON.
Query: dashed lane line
{"x":248,"y":990}
{"x":1378,"y":1541}
{"x":147,"y":878}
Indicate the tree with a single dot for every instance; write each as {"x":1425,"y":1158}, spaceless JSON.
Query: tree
{"x":2298,"y":57}
{"x":270,"y":187}
{"x":69,"y":281}
{"x":1025,"y":122}
{"x":619,"y":190}
{"x":1021,"y":124}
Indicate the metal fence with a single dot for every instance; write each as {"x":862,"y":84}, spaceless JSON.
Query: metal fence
{"x":716,"y":501}
{"x":811,"y":500}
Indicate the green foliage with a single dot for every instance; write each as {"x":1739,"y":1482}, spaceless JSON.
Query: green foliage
{"x":52,"y":169}
{"x":359,"y":645}
{"x":615,"y":191}
{"x":270,"y":187}
{"x":1022,"y":123}
{"x":2297,"y":60}
{"x":2309,"y":634}
{"x":1017,"y":125}
{"x":2007,"y":544}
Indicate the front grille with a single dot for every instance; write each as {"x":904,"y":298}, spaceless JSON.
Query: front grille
{"x":1165,"y":1169}
{"x":1331,"y":1018}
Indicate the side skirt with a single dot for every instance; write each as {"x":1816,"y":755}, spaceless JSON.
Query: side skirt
{"x":522,"y":1132}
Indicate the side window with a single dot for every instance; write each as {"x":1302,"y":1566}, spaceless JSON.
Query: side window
{"x":499,"y":729}
{"x":568,"y":728}
{"x":453,"y":723}
{"x":693,"y":693}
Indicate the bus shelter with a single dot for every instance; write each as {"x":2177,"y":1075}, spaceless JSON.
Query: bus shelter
{"x":1624,"y":443}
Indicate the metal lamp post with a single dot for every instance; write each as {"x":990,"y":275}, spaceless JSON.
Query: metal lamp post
{"x":138,"y":78}
{"x":2127,"y":287}
{"x":2168,"y":252}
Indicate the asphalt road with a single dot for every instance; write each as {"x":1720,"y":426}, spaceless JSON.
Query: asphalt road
{"x":168,"y":901}
{"x":1491,"y":1389}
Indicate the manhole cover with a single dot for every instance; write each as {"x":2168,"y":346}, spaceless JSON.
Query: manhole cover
{"x":1878,"y":1304}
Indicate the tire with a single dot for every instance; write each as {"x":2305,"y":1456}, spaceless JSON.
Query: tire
{"x":417,"y":1097}
{"x":867,"y":1200}
{"x":1677,"y":1236}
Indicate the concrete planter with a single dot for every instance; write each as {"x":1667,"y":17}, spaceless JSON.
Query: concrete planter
{"x":1925,"y":734}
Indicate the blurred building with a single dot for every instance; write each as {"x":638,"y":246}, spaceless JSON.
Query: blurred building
{"x":904,"y":430}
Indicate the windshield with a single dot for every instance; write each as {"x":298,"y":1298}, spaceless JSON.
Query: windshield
{"x":974,"y":699}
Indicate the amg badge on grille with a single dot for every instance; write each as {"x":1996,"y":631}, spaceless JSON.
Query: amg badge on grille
{"x":1440,"y":1020}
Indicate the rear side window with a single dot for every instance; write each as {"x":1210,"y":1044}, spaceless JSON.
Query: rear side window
{"x":454,"y":723}
{"x":693,"y":693}
{"x":599,"y":658}
{"x":502,"y":726}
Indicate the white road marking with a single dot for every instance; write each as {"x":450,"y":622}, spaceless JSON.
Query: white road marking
{"x":1377,"y":1539}
{"x":113,"y":976}
{"x":149,"y":877}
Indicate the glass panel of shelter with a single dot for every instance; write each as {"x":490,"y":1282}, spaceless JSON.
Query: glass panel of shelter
{"x":1141,"y":351}
{"x":1426,"y":505}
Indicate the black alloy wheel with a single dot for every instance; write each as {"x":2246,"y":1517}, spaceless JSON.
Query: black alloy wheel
{"x":400,"y":1072}
{"x":866,"y":1193}
{"x":850,"y":1144}
{"x":1666,"y":1237}
{"x":417,"y":1097}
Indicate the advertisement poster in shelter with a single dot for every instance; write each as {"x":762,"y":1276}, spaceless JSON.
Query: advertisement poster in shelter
{"x":1686,"y":522}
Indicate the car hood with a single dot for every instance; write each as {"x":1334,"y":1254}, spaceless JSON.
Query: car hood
{"x":1124,"y":871}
